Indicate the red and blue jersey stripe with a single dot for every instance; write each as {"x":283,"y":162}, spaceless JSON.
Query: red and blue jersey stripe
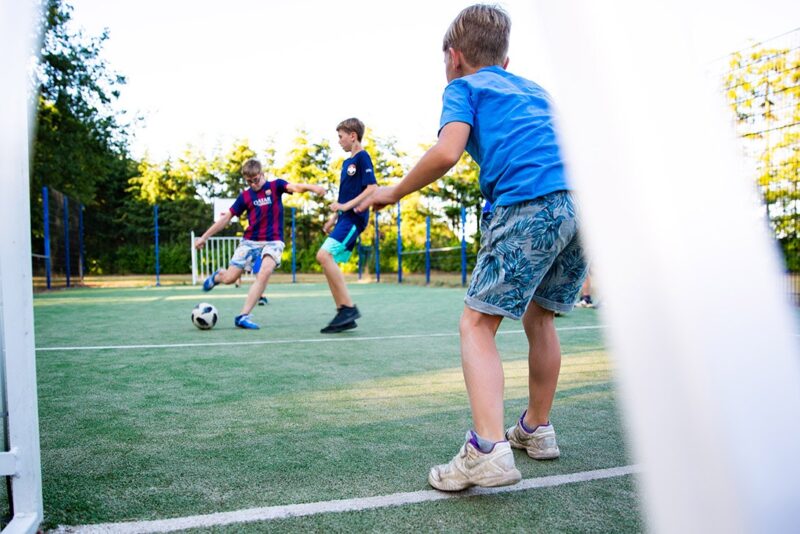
{"x":264,"y":211}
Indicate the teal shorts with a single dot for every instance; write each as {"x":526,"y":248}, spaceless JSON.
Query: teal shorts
{"x":342,"y":240}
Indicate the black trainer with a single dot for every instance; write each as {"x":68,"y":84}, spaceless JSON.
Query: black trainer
{"x":336,"y":329}
{"x":344,"y":315}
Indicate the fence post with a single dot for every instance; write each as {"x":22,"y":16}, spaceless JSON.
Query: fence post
{"x":46,"y":214}
{"x":158,"y":264}
{"x":463,"y":246}
{"x":82,"y":260}
{"x":294,"y":247}
{"x":360,"y":258}
{"x":66,"y":237}
{"x":215,"y":257}
{"x":377,"y":250}
{"x":399,"y":247}
{"x":427,"y":250}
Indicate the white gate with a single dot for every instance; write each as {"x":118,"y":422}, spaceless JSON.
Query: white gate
{"x":214,"y":256}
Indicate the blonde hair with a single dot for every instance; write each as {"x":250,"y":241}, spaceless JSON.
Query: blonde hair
{"x":251,"y":167}
{"x":481,"y":33}
{"x":352,"y":125}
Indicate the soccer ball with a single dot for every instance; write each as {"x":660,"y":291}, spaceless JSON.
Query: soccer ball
{"x":204,"y":316}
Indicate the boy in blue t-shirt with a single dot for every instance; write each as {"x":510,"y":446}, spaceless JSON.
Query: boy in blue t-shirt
{"x":530,"y":263}
{"x":345,"y":225}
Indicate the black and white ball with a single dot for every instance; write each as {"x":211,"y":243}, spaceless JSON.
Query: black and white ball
{"x":204,"y":316}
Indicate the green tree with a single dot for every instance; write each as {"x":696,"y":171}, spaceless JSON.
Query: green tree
{"x":173,"y":186}
{"x":157,"y":183}
{"x":80,"y":141}
{"x":763,"y":89}
{"x":387,"y":159}
{"x":80,"y":145}
{"x":227,"y":168}
{"x":308,"y":162}
{"x":458,"y":187}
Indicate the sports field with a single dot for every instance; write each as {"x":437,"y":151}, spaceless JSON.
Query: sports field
{"x":147,"y":420}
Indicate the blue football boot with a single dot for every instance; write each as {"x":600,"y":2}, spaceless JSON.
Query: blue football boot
{"x":245,"y":321}
{"x":209,"y":282}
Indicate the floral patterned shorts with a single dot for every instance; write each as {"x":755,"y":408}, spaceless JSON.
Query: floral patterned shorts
{"x":249,"y":254}
{"x":529,"y":251}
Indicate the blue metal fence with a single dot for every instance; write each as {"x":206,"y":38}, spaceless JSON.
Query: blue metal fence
{"x":399,"y":246}
{"x":462,"y":249}
{"x":61,"y":242}
{"x":294,"y":245}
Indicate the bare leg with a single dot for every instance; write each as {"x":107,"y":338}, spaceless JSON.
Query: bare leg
{"x":335,"y":279}
{"x":259,"y":284}
{"x":586,"y":288}
{"x":229,"y":275}
{"x":544,"y":363}
{"x":483,"y":372}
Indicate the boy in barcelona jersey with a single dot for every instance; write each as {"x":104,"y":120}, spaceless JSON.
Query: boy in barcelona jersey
{"x":263,"y":239}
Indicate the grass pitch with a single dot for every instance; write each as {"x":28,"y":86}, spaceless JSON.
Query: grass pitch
{"x":144,"y":417}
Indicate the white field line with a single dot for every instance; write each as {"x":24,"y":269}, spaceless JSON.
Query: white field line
{"x":345,"y":505}
{"x":288,"y":341}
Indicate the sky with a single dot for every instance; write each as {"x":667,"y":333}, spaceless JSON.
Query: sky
{"x":208,"y":72}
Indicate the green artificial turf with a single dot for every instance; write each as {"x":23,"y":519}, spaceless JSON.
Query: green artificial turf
{"x":160,"y":432}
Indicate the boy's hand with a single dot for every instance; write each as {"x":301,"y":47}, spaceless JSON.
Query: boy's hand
{"x":329,"y":224}
{"x":336,"y":207}
{"x":199,"y":243}
{"x":318,"y":189}
{"x":382,"y":197}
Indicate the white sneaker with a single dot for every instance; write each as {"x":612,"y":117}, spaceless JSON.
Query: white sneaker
{"x":540,"y":445}
{"x":471,"y":467}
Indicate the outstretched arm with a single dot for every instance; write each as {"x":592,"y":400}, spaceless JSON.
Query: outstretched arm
{"x":434,"y":164}
{"x":350,"y":204}
{"x":200,"y":242}
{"x":300,"y":188}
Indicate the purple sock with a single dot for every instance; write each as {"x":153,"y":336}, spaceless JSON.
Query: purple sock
{"x":484,"y":445}
{"x":525,"y":427}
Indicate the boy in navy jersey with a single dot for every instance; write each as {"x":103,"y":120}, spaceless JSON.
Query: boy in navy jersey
{"x":345,"y":225}
{"x":263,"y":238}
{"x":530,"y":263}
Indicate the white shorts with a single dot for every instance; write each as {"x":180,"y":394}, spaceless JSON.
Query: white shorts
{"x":249,"y":253}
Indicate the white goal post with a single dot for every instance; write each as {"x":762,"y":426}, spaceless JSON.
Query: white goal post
{"x":706,"y":357}
{"x":20,"y":459}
